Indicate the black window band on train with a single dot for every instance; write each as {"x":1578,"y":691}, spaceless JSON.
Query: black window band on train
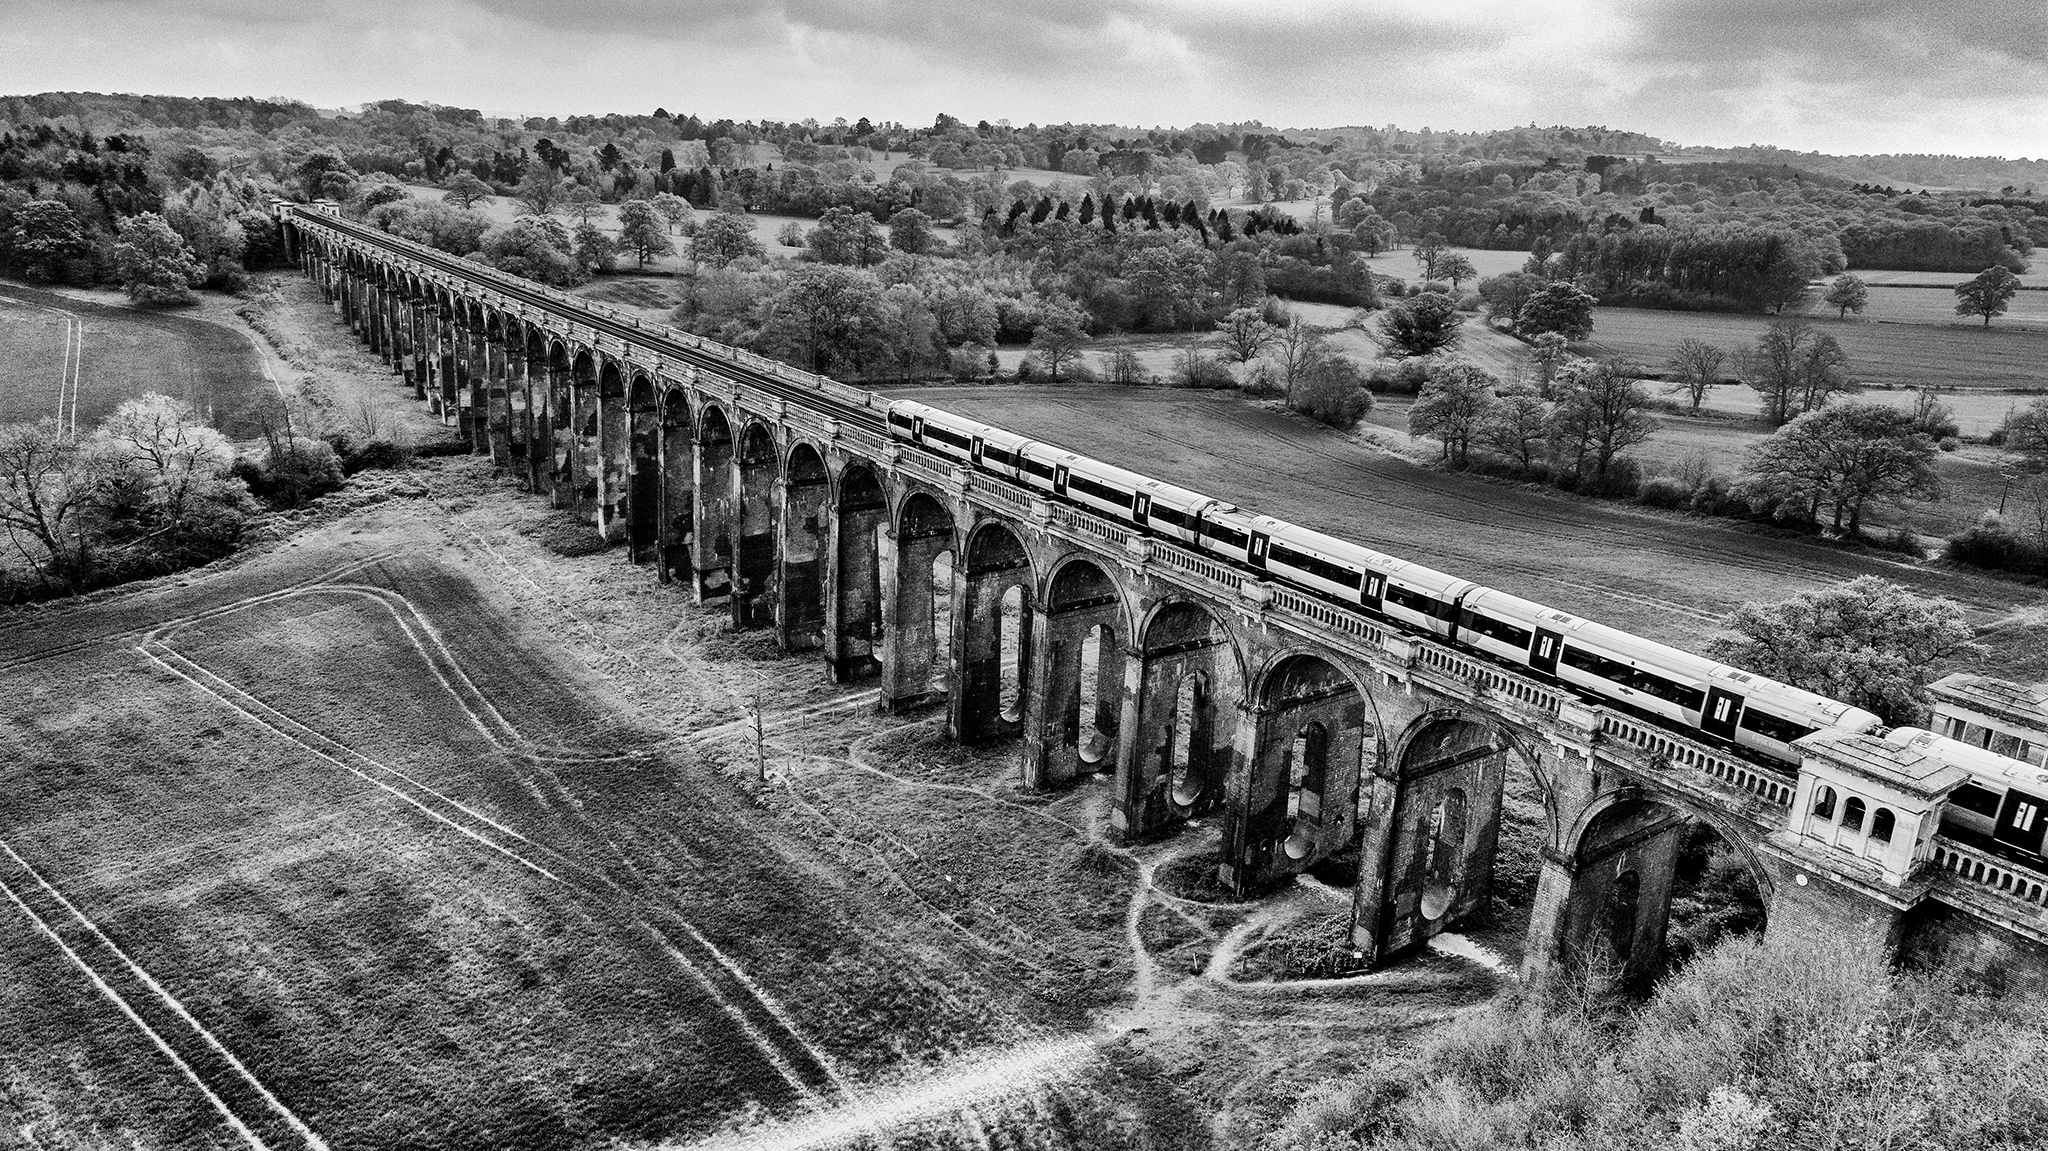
{"x":1499,"y":631}
{"x":1971,"y":797}
{"x":998,"y":456}
{"x":1635,"y":678}
{"x":899,"y":419}
{"x":1228,"y":537}
{"x":1773,"y":727}
{"x":1027,"y":464}
{"x":954,"y":438}
{"x":1167,"y":516}
{"x":1103,"y":492}
{"x":1322,"y":569}
{"x":1419,"y":603}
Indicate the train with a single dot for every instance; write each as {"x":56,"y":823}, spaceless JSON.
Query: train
{"x":1724,"y":704}
{"x":2005,"y":800}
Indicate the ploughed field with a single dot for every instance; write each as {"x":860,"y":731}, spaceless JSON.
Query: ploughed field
{"x":1668,"y":577}
{"x":95,"y":357}
{"x":407,"y":833}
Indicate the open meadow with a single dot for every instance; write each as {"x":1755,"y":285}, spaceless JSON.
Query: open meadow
{"x":95,"y":356}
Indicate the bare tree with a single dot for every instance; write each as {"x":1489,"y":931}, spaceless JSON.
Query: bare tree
{"x":1245,"y":334}
{"x":1697,"y":366}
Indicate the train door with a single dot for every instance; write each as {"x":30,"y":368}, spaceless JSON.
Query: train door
{"x":974,"y":451}
{"x":1544,"y":650}
{"x":917,"y":429}
{"x":1721,"y":712}
{"x":1141,"y":509}
{"x":2021,"y":822}
{"x":1256,"y":555}
{"x":1373,"y":590}
{"x":1060,"y":472}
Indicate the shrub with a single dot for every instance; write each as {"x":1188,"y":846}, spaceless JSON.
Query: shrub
{"x":968,"y":362}
{"x":1402,"y":378}
{"x":382,"y":455}
{"x":1663,"y":492}
{"x":1993,"y":543}
{"x":300,"y":469}
{"x":1193,"y":369}
{"x":1333,"y":392}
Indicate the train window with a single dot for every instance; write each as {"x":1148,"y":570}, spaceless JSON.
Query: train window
{"x":1881,"y":824}
{"x":1634,"y":678}
{"x":1494,"y":629}
{"x":1971,"y":797}
{"x":1824,"y":802}
{"x":1167,"y":516}
{"x":1414,"y":601}
{"x":898,"y":419}
{"x":998,"y":456}
{"x":1228,"y":537}
{"x":1852,"y":813}
{"x":954,"y":438}
{"x":1771,"y":726}
{"x":1027,"y":464}
{"x":1316,"y":566}
{"x":1103,"y":492}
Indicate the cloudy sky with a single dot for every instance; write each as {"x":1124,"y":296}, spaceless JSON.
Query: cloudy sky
{"x":1845,"y":76}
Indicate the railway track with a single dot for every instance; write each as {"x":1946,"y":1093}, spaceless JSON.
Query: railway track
{"x":765,"y":375}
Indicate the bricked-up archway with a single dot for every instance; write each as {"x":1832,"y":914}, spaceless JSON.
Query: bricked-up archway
{"x":854,"y":604}
{"x":613,"y":445}
{"x":917,"y":602}
{"x":1308,"y":730}
{"x":992,"y":634}
{"x":530,"y":440}
{"x":1183,"y":692}
{"x":1441,"y":836}
{"x":800,"y":606}
{"x":754,"y":528}
{"x":678,"y":485}
{"x":642,"y":505}
{"x":561,"y":427}
{"x":1080,"y":631}
{"x":712,"y":545}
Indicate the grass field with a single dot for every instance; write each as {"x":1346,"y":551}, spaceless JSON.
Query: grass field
{"x":120,"y":353}
{"x":1937,"y":306}
{"x":1898,"y":355}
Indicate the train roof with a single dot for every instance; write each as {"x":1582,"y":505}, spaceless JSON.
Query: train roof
{"x":1975,"y":760}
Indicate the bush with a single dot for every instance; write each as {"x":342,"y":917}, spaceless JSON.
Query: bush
{"x":968,"y":362}
{"x":1193,"y":369}
{"x":1993,"y":543}
{"x":1402,"y":378}
{"x":1333,"y":392}
{"x":300,"y":469}
{"x":1663,"y":492}
{"x":379,"y":455}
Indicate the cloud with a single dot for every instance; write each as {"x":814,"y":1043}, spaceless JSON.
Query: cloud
{"x":1844,"y":75}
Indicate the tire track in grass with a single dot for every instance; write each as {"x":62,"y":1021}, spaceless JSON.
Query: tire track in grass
{"x":219,"y":1061}
{"x":585,"y":883}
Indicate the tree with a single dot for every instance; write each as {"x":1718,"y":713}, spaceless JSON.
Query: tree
{"x":830,"y":317}
{"x":541,"y":189}
{"x":594,"y":249}
{"x":1058,"y":339}
{"x":46,"y":234}
{"x":466,"y":191}
{"x":723,"y":238}
{"x":1421,"y":325}
{"x":1455,"y":402}
{"x":2026,"y":434}
{"x":45,"y":490}
{"x":1505,"y":295}
{"x":164,"y":476}
{"x":1562,"y":307}
{"x":1516,"y":426}
{"x":911,"y":231}
{"x":642,"y":231}
{"x":1429,"y":253}
{"x":1987,"y":293}
{"x":1868,"y":642}
{"x":1372,"y":235}
{"x":844,"y":236}
{"x":1245,"y":334}
{"x":1294,"y":348}
{"x":153,"y":263}
{"x":1603,"y":412}
{"x":1331,"y":390}
{"x":1847,"y":294}
{"x":1794,"y":368}
{"x":1845,"y":455}
{"x":673,"y":208}
{"x":1695,"y":368}
{"x":1456,"y":268}
{"x":582,"y":203}
{"x":538,"y":248}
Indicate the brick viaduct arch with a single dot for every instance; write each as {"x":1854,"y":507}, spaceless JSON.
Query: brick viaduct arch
{"x":1200,"y":689}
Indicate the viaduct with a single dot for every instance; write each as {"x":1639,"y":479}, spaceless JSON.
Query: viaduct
{"x":1305,"y":729}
